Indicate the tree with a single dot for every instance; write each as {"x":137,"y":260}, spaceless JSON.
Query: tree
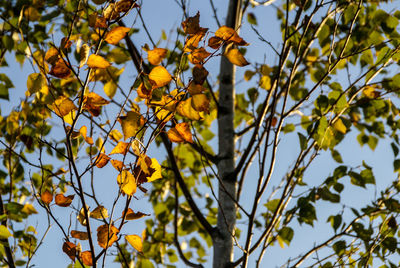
{"x":329,"y":81}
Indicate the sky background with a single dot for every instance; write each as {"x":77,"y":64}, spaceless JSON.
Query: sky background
{"x":165,"y":15}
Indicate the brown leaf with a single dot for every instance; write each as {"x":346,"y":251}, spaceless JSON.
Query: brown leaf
{"x":199,"y":74}
{"x":110,"y":13}
{"x":87,"y":258}
{"x":65,"y":43}
{"x":116,"y":34}
{"x":198,"y":55}
{"x":96,"y":61}
{"x":60,"y":69}
{"x":120,"y":148}
{"x":123,"y":6}
{"x":102,"y":160}
{"x":130,"y":215}
{"x":106,"y":236}
{"x":97,"y":21}
{"x":215,"y":42}
{"x":144,"y":92}
{"x":93,"y":103}
{"x":191,"y":24}
{"x":64,"y":201}
{"x":200,"y":102}
{"x":79,"y":235}
{"x":69,"y":249}
{"x":52,"y":55}
{"x":46,"y":197}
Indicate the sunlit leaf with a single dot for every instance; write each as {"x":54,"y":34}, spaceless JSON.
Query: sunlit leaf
{"x":110,"y":88}
{"x":135,"y":241}
{"x":144,"y":92}
{"x":230,"y":35}
{"x":29,"y":209}
{"x":118,"y":165}
{"x":63,"y":106}
{"x":96,"y":61}
{"x":131,"y":123}
{"x":93,"y":103}
{"x":131,"y":215}
{"x":235,"y":57}
{"x":198,"y":55}
{"x":110,"y":13}
{"x":83,"y":131}
{"x":184,"y":130}
{"x":86,"y":257}
{"x":52,"y":55}
{"x":79,"y":235}
{"x":46,"y":197}
{"x":265,"y":82}
{"x":116,"y":34}
{"x":4,"y":232}
{"x":69,"y":249}
{"x":192,"y":42}
{"x":64,"y":201}
{"x":120,"y":148}
{"x":160,"y":76}
{"x":127,"y":182}
{"x":60,"y":69}
{"x":102,"y":160}
{"x":81,"y":216}
{"x":185,"y":109}
{"x":106,"y":235}
{"x":99,"y":213}
{"x":339,"y":126}
{"x":174,"y":136}
{"x":83,"y":55}
{"x":97,"y":21}
{"x":35,"y":83}
{"x":200,"y":102}
{"x":156,"y":174}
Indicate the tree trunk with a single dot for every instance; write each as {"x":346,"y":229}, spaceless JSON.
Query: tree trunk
{"x":223,"y":245}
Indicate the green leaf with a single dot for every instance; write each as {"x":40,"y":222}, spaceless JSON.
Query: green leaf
{"x":336,"y":156}
{"x":4,"y":232}
{"x":339,"y":247}
{"x":288,"y":128}
{"x":335,"y":221}
{"x":272,"y":205}
{"x":286,"y":234}
{"x":251,"y":18}
{"x":303,"y":141}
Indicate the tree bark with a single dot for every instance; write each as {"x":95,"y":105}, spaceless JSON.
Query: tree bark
{"x":223,"y":244}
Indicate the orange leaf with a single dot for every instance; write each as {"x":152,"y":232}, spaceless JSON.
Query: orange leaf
{"x":102,"y":160}
{"x":96,"y":61}
{"x":118,"y":165}
{"x":174,"y":136}
{"x":199,"y":74}
{"x":192,"y":42}
{"x":230,"y":35}
{"x":215,"y":42}
{"x":65,"y":43}
{"x":97,"y":21}
{"x":69,"y":249}
{"x":135,"y":241}
{"x":83,"y":131}
{"x":60,"y":69}
{"x":63,"y":106}
{"x":121,"y":148}
{"x":160,"y":76}
{"x":106,"y":236}
{"x":184,"y":130}
{"x":156,"y":55}
{"x":93,"y":103}
{"x":87,"y":258}
{"x":194,"y":89}
{"x":64,"y":201}
{"x":235,"y":57}
{"x":130,"y":215}
{"x":110,"y":13}
{"x":79,"y":235}
{"x":200,"y":102}
{"x":46,"y":197}
{"x":116,"y":34}
{"x":198,"y":55}
{"x":144,"y":92}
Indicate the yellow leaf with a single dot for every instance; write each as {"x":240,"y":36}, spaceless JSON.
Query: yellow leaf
{"x":115,"y":135}
{"x":110,"y":88}
{"x":118,"y":165}
{"x":156,"y":174}
{"x":265,"y":82}
{"x":81,"y":216}
{"x":79,"y":235}
{"x":192,"y":42}
{"x":106,"y":236}
{"x":63,"y":106}
{"x":144,"y":162}
{"x":156,"y":55}
{"x":184,"y":130}
{"x":339,"y":126}
{"x":93,"y":103}
{"x":69,"y":118}
{"x":83,"y":131}
{"x":131,"y":124}
{"x":174,"y":136}
{"x":235,"y":57}
{"x":60,"y":69}
{"x":96,"y":61}
{"x":121,"y":148}
{"x":116,"y":34}
{"x":127,"y":182}
{"x":83,"y":55}
{"x":99,"y":213}
{"x":35,"y":83}
{"x":135,"y":241}
{"x":230,"y":35}
{"x":29,"y":209}
{"x":160,"y":76}
{"x":200,"y":102}
{"x":52,"y":55}
{"x":185,"y":109}
{"x":370,"y":92}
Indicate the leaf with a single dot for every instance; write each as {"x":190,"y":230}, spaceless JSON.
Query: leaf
{"x":102,"y":160}
{"x":64,"y":201}
{"x":99,"y":213}
{"x":230,"y":35}
{"x":200,"y":103}
{"x":184,"y":131}
{"x":156,"y":55}
{"x":127,"y":182}
{"x":118,"y":165}
{"x":120,"y":148}
{"x":83,"y":132}
{"x":97,"y":21}
{"x":215,"y":42}
{"x":69,"y":249}
{"x":87,"y":258}
{"x":60,"y":69}
{"x":174,"y":136}
{"x":83,"y":55}
{"x":116,"y":34}
{"x":35,"y":83}
{"x":131,"y":124}
{"x":192,"y":42}
{"x":46,"y":197}
{"x":265,"y":82}
{"x":339,"y":126}
{"x":93,"y":103}
{"x":235,"y":57}
{"x":96,"y":61}
{"x":29,"y":209}
{"x":81,"y":216}
{"x":130,"y":215}
{"x":79,"y":235}
{"x":110,"y":88}
{"x":135,"y":241}
{"x":63,"y":106}
{"x":106,"y":236}
{"x":199,"y":74}
{"x":52,"y":55}
{"x":156,"y":174}
{"x":185,"y":109}
{"x":160,"y":76}
{"x":198,"y":55}
{"x":4,"y":232}
{"x":191,"y":24}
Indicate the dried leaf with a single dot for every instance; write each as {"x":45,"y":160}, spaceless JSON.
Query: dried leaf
{"x":96,"y":61}
{"x":131,"y":124}
{"x":230,"y":35}
{"x":123,"y":6}
{"x":118,"y":165}
{"x":60,"y":69}
{"x":127,"y":182}
{"x":102,"y":160}
{"x":194,"y":89}
{"x":69,"y":249}
{"x":191,"y":24}
{"x":63,"y":106}
{"x":199,"y":74}
{"x":99,"y":213}
{"x":86,"y":257}
{"x":200,"y":102}
{"x":106,"y":236}
{"x":120,"y":148}
{"x":81,"y":216}
{"x":130,"y":215}
{"x":174,"y":136}
{"x":156,"y":55}
{"x":160,"y":76}
{"x":97,"y":21}
{"x":198,"y":55}
{"x":93,"y":103}
{"x":215,"y":42}
{"x":64,"y":201}
{"x":235,"y":57}
{"x":184,"y":131}
{"x":79,"y":235}
{"x":116,"y":34}
{"x":46,"y":197}
{"x":135,"y":241}
{"x":52,"y":55}
{"x":144,"y":92}
{"x":110,"y":13}
{"x":83,"y":55}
